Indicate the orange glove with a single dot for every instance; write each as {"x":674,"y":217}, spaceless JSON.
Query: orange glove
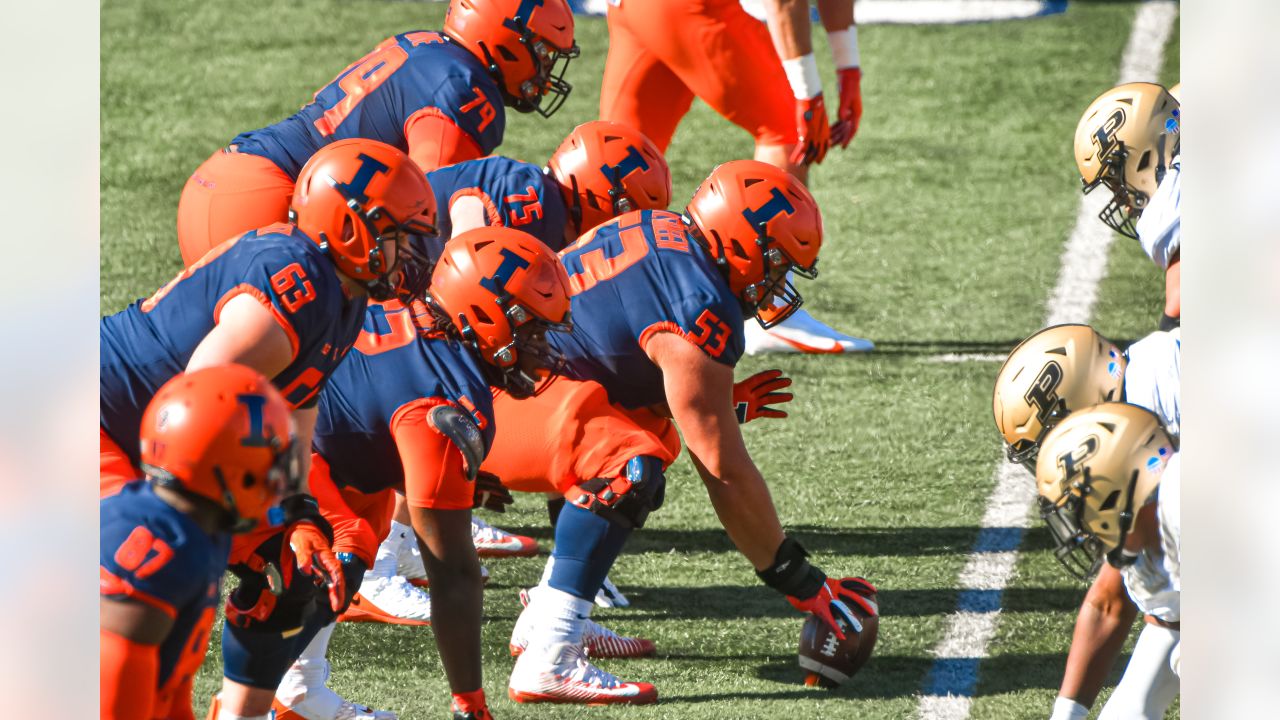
{"x":849,"y":112}
{"x":753,"y":397}
{"x":315,"y":558}
{"x":815,"y":134}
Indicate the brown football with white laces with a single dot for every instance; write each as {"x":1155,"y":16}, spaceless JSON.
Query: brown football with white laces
{"x":829,"y":661}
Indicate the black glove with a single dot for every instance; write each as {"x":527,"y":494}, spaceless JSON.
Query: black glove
{"x":491,"y":494}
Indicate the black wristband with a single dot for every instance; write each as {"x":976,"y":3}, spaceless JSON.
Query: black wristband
{"x":1168,"y":322}
{"x":791,"y":574}
{"x":305,"y":508}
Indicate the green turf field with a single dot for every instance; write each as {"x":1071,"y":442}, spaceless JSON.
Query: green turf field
{"x":945,"y":220}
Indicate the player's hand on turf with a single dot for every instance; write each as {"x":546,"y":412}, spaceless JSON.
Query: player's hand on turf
{"x":316,"y":558}
{"x":491,"y":494}
{"x":755,"y":397}
{"x":815,"y":134}
{"x":849,"y":112}
{"x":832,"y":600}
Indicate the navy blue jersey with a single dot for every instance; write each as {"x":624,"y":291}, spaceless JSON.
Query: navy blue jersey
{"x":395,"y":367}
{"x":377,"y":95}
{"x":152,"y":340}
{"x":515,"y":195}
{"x":635,"y":275}
{"x":153,"y":554}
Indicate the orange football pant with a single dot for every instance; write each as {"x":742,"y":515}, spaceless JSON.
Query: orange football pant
{"x":569,"y":434}
{"x":664,"y":52}
{"x":114,"y":469}
{"x":229,"y":194}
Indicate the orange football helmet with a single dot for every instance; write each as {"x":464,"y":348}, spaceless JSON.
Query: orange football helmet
{"x":526,"y":45}
{"x":503,"y":290}
{"x":758,"y":222}
{"x":223,"y":434}
{"x":606,"y":169}
{"x":354,"y":195}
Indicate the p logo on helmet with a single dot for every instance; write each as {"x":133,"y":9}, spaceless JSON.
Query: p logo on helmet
{"x":1043,"y":393}
{"x":1072,"y":462}
{"x":1105,"y":137}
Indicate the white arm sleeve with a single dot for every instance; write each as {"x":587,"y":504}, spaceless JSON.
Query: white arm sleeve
{"x":1153,"y":378}
{"x":1160,"y":226}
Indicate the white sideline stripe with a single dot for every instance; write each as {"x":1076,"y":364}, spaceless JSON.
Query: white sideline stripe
{"x":966,"y":357}
{"x":1084,"y":264}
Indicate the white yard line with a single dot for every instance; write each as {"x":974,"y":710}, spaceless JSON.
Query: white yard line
{"x":948,"y":691}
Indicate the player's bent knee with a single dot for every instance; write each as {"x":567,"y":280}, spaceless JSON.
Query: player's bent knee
{"x":626,"y":500}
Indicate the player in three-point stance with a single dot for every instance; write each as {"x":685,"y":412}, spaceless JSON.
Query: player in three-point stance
{"x":1129,"y":141}
{"x":1109,"y":479}
{"x":658,"y":307}
{"x":1054,"y":372}
{"x":409,"y":410}
{"x":218,"y":455}
{"x":601,"y":170}
{"x":438,"y":96}
{"x":288,"y":301}
{"x":663,"y":53}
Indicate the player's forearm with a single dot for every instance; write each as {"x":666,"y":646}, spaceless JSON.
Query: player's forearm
{"x":745,"y":508}
{"x":789,"y":27}
{"x":836,"y":15}
{"x":1100,"y":632}
{"x":304,"y":420}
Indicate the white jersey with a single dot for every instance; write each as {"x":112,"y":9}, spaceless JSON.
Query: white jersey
{"x":1153,"y":378}
{"x":1160,"y":225}
{"x":1154,"y":581}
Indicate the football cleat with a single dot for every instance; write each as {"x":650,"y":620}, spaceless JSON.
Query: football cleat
{"x":492,"y":542}
{"x":389,"y":600}
{"x":303,"y":695}
{"x":597,"y":640}
{"x":609,"y":596}
{"x":409,"y":566}
{"x":563,"y":675}
{"x":801,"y":333}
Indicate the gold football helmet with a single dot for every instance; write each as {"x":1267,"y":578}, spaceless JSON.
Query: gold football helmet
{"x":1176,"y":92}
{"x":1096,"y":470}
{"x":1126,"y":140}
{"x":1053,"y":372}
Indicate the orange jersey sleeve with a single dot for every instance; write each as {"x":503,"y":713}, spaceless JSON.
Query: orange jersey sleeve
{"x":435,"y":141}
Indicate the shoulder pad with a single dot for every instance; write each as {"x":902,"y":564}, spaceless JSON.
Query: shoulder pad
{"x":461,"y":429}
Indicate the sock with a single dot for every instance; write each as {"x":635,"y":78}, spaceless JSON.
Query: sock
{"x":228,"y":715}
{"x":309,"y":672}
{"x":1068,"y":709}
{"x":387,"y":562}
{"x":559,"y":616}
{"x":586,"y":546}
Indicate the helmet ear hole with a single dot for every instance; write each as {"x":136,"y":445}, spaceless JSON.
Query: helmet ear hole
{"x":481,"y":315}
{"x":506,"y":54}
{"x":1111,"y":500}
{"x":1145,"y":161}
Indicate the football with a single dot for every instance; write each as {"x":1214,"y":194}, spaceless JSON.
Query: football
{"x":829,"y":661}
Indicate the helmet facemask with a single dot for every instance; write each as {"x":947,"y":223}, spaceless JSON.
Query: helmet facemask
{"x":1078,"y":550}
{"x":775,"y":284}
{"x":509,"y":367}
{"x":547,"y":90}
{"x":407,"y":277}
{"x":1122,"y":211}
{"x":1025,"y":452}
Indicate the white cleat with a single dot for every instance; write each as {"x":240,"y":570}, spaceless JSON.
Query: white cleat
{"x":302,"y":695}
{"x":409,"y":566}
{"x":597,"y":640}
{"x":493,"y":542}
{"x":609,"y":596}
{"x":563,"y":675}
{"x":394,"y":596}
{"x":801,"y":333}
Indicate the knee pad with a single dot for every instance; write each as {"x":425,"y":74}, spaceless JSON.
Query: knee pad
{"x":625,"y":500}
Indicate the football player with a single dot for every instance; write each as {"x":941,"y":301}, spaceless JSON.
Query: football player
{"x":1052,"y":373}
{"x":439,"y":96}
{"x":285,"y":300}
{"x":658,"y":307}
{"x":1129,"y":141}
{"x":663,"y":53}
{"x":1108,"y":478}
{"x":218,"y":454}
{"x":410,"y":410}
{"x":601,"y":170}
